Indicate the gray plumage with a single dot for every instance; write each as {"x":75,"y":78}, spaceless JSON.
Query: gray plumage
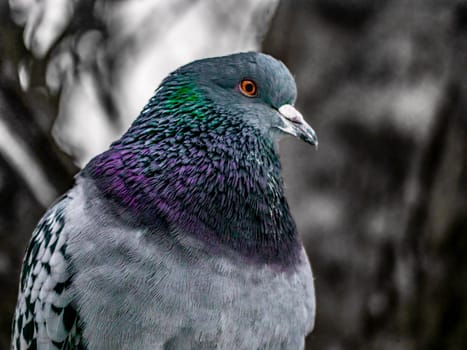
{"x":108,"y":269}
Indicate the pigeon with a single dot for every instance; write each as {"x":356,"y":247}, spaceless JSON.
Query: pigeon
{"x":179,"y":236}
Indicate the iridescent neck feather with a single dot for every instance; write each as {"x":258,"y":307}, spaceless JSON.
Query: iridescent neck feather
{"x":186,"y":161}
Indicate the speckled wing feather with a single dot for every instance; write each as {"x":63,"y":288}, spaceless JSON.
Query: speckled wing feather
{"x":45,"y":317}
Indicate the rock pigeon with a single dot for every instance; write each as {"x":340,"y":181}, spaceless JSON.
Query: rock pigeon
{"x":179,"y":236}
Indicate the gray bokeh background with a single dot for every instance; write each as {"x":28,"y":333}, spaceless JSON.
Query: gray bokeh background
{"x":381,"y":205}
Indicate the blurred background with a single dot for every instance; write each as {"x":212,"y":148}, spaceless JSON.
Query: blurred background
{"x":381,"y":206}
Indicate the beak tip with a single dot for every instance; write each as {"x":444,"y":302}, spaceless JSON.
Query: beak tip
{"x":311,"y":138}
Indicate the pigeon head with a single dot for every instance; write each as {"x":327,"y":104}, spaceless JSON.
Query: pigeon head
{"x":250,"y":88}
{"x":201,"y":158}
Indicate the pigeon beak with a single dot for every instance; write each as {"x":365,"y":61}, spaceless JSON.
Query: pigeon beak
{"x":295,"y":125}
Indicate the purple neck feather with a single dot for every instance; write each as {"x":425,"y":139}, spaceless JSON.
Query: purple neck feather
{"x":221,"y":184}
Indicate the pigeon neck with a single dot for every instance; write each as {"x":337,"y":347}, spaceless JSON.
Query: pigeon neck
{"x":222,"y":186}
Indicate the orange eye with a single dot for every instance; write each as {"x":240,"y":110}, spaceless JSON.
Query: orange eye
{"x":248,"y":87}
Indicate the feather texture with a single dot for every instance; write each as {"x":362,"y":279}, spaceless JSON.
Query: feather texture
{"x":179,"y":236}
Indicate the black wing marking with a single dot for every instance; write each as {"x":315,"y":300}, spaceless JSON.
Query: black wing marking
{"x":44,"y":316}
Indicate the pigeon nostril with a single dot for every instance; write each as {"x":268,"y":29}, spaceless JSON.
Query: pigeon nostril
{"x":294,"y":119}
{"x":290,"y":113}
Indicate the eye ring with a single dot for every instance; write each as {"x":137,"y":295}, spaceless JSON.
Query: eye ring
{"x":248,"y":88}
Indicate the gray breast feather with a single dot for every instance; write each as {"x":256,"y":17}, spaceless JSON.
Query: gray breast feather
{"x":138,"y":289}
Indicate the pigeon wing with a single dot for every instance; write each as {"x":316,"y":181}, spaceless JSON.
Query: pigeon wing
{"x":45,"y":317}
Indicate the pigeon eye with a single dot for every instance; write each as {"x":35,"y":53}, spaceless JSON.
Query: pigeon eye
{"x":248,"y":88}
